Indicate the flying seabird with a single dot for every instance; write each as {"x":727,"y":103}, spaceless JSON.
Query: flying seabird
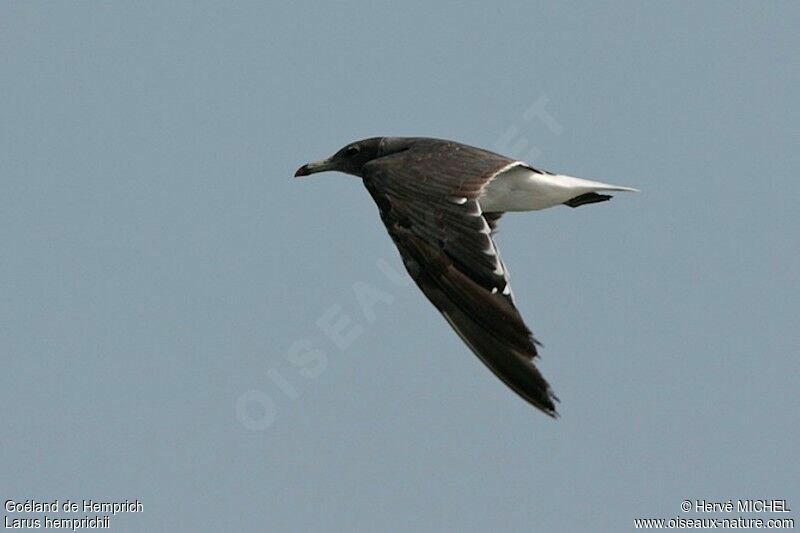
{"x":441,"y":201}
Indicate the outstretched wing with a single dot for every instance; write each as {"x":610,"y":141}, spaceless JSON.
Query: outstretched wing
{"x":444,"y":238}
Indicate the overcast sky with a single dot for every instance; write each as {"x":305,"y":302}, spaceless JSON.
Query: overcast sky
{"x":166,"y":285}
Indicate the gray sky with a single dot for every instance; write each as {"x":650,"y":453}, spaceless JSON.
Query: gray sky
{"x":163,"y":276}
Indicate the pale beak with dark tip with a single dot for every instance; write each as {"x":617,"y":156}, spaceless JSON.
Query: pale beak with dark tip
{"x":313,"y":168}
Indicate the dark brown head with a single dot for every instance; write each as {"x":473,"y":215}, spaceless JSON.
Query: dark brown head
{"x":352,"y":158}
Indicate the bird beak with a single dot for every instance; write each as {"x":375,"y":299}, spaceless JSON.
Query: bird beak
{"x":313,"y":168}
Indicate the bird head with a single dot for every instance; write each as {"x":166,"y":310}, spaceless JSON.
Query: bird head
{"x":352,"y":158}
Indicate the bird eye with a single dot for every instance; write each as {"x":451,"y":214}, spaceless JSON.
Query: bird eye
{"x":350,"y":151}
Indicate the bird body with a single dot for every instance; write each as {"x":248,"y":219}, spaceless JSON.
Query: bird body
{"x":440,"y":202}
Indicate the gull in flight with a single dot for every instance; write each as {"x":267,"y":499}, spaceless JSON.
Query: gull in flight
{"x":440,"y":202}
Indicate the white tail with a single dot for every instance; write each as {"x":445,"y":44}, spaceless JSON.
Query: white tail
{"x":520,"y":188}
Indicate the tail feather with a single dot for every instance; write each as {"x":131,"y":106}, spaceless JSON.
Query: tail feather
{"x":591,"y":185}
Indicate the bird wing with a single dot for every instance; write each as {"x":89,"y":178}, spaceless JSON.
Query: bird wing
{"x":428,"y":201}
